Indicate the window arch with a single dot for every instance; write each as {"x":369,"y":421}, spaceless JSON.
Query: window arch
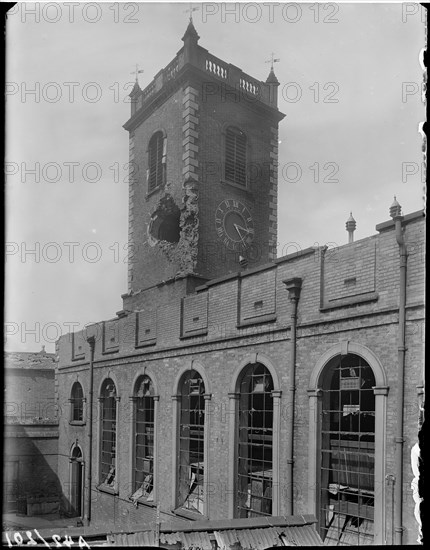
{"x":77,"y":403}
{"x":156,"y":173}
{"x":108,"y":441}
{"x":328,"y":463}
{"x":143,"y":444}
{"x":235,"y":156}
{"x":191,"y":456}
{"x":347,"y":451}
{"x":254,"y":442}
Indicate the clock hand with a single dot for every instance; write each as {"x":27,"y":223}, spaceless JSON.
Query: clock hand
{"x":248,"y":232}
{"x":238,"y":227}
{"x":242,"y":228}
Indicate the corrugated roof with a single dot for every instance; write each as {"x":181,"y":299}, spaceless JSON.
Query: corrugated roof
{"x":305,"y":535}
{"x":225,"y":539}
{"x":259,"y":539}
{"x":199,"y":539}
{"x":170,"y":538}
{"x":294,"y":532}
{"x":143,"y":538}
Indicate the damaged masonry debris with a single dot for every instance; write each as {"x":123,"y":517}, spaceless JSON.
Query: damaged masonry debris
{"x":176,"y":230}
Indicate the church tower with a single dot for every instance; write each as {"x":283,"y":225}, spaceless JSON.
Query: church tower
{"x":203,"y":141}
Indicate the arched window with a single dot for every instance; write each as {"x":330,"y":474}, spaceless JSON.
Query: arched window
{"x":190,"y":491}
{"x":108,"y":418}
{"x":156,"y":161}
{"x":77,"y":403}
{"x":143,"y":448}
{"x":347,"y":451}
{"x":235,"y":156}
{"x":254,"y":443}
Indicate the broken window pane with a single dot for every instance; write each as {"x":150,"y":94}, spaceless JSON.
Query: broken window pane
{"x":348,"y":452}
{"x":108,"y":433}
{"x":191,"y":443}
{"x":143,"y":483}
{"x":254,"y":496}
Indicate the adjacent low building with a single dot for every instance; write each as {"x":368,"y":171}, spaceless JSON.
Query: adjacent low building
{"x":31,"y":484}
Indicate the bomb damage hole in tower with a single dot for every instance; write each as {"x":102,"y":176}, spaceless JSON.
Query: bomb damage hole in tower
{"x":164,"y":225}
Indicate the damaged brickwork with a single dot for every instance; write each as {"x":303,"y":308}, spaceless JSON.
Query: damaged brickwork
{"x":184,"y":252}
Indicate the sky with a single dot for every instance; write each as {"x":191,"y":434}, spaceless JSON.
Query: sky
{"x":350,"y":87}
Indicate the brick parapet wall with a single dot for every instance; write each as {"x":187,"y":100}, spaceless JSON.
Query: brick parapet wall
{"x":357,"y":280}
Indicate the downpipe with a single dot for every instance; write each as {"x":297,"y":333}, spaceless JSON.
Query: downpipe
{"x":398,"y":487}
{"x":294,"y":287}
{"x":91,"y":341}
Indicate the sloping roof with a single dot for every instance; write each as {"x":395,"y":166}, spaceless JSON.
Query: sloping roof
{"x":259,"y":539}
{"x":144,"y":538}
{"x":279,"y":531}
{"x":249,"y":538}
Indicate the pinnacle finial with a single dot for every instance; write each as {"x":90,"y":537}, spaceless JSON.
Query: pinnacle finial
{"x":351,"y":224}
{"x":272,"y":60}
{"x":271,"y":79}
{"x":136,"y":72}
{"x":395,"y":209}
{"x":190,"y":11}
{"x":191,"y":33}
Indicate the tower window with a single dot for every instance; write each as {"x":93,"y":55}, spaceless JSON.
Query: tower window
{"x":108,"y":400}
{"x":255,"y":443}
{"x":191,"y":443}
{"x":235,"y":156}
{"x":156,"y":161}
{"x":77,"y":403}
{"x":143,"y":475}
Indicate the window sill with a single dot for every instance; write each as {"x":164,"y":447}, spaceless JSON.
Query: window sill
{"x":148,"y":503}
{"x":267,"y":318}
{"x":110,"y":351}
{"x":187,"y":514}
{"x":196,"y":332}
{"x":146,"y":343}
{"x":351,"y":301}
{"x":105,"y":489}
{"x":243,"y":188}
{"x":77,"y":422}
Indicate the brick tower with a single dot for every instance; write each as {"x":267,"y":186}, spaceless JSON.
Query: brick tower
{"x":203,"y":183}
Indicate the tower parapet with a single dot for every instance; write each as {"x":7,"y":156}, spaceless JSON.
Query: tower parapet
{"x":216,"y":75}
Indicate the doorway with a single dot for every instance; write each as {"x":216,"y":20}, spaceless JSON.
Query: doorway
{"x":77,"y":479}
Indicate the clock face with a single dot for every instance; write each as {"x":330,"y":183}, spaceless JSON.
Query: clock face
{"x":234,"y":224}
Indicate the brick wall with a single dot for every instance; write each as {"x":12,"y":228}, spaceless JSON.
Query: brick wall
{"x":194,"y":124}
{"x":29,"y":394}
{"x":227,"y":344}
{"x":168,"y":119}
